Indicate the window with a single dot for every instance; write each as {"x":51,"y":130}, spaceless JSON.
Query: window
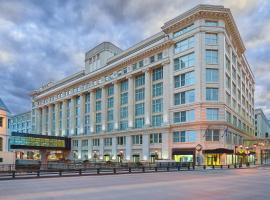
{"x":211,"y":23}
{"x":1,"y":121}
{"x":110,"y":115}
{"x":157,"y":120}
{"x":157,"y":105}
{"x":139,"y":109}
{"x":156,"y":138}
{"x":211,"y":57}
{"x":212,"y":113}
{"x":96,"y":142}
{"x":110,"y":102}
{"x":152,"y":59}
{"x":98,"y":128}
{"x":228,"y":64}
{"x":124,"y":98}
{"x":228,"y":117}
{"x":110,"y":90}
{"x":121,"y":140}
{"x":98,"y":94}
{"x":139,"y":80}
{"x":184,"y":61}
{"x":110,"y":126}
{"x":84,"y":143}
{"x":212,"y":135}
{"x":184,"y":116}
{"x":159,"y":56}
{"x":212,"y":94}
{"x":228,"y":82}
{"x":75,"y":143}
{"x":157,"y":89}
{"x":98,"y":105}
{"x":124,"y":86}
{"x":184,"y":45}
{"x":184,"y":136}
{"x":211,"y":39}
{"x":107,"y":141}
{"x":184,"y":97}
{"x":184,"y":79}
{"x":139,"y":94}
{"x":158,"y":74}
{"x":123,"y":112}
{"x":1,"y":144}
{"x":98,"y":117}
{"x":136,"y":139}
{"x":183,"y":30}
{"x":123,"y":125}
{"x":139,"y":122}
{"x":212,"y":75}
{"x":87,"y":103}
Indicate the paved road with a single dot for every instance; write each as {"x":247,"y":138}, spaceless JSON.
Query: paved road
{"x":204,"y":185}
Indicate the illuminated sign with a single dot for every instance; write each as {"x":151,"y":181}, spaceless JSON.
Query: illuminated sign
{"x":33,"y":141}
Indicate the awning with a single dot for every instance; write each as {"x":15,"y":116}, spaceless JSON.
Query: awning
{"x":183,"y":151}
{"x":219,"y":150}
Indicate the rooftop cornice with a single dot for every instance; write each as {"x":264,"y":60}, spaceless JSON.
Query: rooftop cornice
{"x":206,"y":11}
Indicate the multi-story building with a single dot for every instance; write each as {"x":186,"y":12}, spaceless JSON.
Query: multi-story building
{"x":21,"y":123}
{"x":186,"y":93}
{"x":262,"y":124}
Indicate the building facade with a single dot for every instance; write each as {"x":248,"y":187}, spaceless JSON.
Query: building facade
{"x":186,"y":93}
{"x":6,"y":157}
{"x":262,"y":125}
{"x":21,"y":123}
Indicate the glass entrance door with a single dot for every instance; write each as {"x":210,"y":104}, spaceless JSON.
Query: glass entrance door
{"x":213,"y":159}
{"x":136,"y":158}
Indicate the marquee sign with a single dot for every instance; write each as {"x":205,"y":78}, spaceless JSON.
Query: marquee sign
{"x":33,"y":141}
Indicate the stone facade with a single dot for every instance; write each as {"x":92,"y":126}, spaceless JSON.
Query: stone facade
{"x":186,"y":93}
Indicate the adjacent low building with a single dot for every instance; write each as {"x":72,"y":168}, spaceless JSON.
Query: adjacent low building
{"x":184,"y":94}
{"x":262,"y":124}
{"x":21,"y":123}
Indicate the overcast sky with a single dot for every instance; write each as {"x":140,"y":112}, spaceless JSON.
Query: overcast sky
{"x":45,"y":40}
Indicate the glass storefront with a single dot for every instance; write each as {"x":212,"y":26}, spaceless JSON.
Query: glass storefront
{"x":106,"y":157}
{"x":136,"y":158}
{"x":183,"y":158}
{"x":213,"y":159}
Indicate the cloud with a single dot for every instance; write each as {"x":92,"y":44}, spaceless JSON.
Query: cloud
{"x":42,"y":41}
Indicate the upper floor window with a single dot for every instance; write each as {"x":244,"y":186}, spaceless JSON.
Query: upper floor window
{"x":121,"y":140}
{"x":137,"y":139}
{"x":212,"y":113}
{"x":211,"y":56}
{"x":184,"y":136}
{"x":212,"y":135}
{"x":184,"y":61}
{"x":98,"y":94}
{"x":183,"y":30}
{"x":159,"y":56}
{"x":124,"y":86}
{"x":211,"y":23}
{"x":110,"y":90}
{"x":211,"y":38}
{"x":184,"y":45}
{"x":184,"y":79}
{"x":158,"y":74}
{"x":211,"y":75}
{"x":212,"y":94}
{"x":155,"y":138}
{"x":184,"y":97}
{"x":157,"y":89}
{"x":184,"y":116}
{"x":1,"y":121}
{"x":139,"y":80}
{"x":152,"y":59}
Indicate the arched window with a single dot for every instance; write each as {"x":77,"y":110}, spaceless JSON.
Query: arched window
{"x":1,"y":144}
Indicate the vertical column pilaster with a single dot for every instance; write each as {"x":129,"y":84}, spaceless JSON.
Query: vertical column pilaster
{"x":165,"y":145}
{"x":38,"y":121}
{"x":64,"y":118}
{"x":101,"y":148}
{"x":43,"y":127}
{"x":50,"y":119}
{"x":148,"y":94}
{"x":114,"y":148}
{"x":104,"y":108}
{"x":82,"y":113}
{"x":145,"y":146}
{"x":116,"y":106}
{"x":72,"y":116}
{"x":166,"y":92}
{"x":92,"y":111}
{"x":128,"y":148}
{"x":130,"y":102}
{"x":56,"y":118}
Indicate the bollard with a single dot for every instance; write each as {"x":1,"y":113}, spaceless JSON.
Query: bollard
{"x":80,"y":171}
{"x":98,"y":171}
{"x":178,"y":168}
{"x":204,"y":166}
{"x":235,"y":166}
{"x":60,"y":173}
{"x":221,"y":166}
{"x":168,"y":168}
{"x":114,"y":170}
{"x":193,"y":167}
{"x":143,"y":169}
{"x":228,"y":166}
{"x":13,"y":174}
{"x":129,"y":169}
{"x":38,"y":173}
{"x":188,"y":167}
{"x":155,"y":169}
{"x":213,"y":167}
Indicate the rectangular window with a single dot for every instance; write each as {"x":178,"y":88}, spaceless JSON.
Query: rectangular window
{"x":155,"y":138}
{"x":157,"y":89}
{"x":183,"y":30}
{"x":98,"y":117}
{"x":121,"y":140}
{"x":84,"y":143}
{"x":140,"y":80}
{"x":124,"y":86}
{"x":139,"y":94}
{"x":124,"y":98}
{"x":184,"y":116}
{"x":123,"y":112}
{"x":107,"y":141}
{"x":110,"y":90}
{"x":98,"y":94}
{"x":211,"y":23}
{"x":157,"y":74}
{"x":136,"y":139}
{"x":184,"y":97}
{"x":184,"y":79}
{"x":157,"y":120}
{"x":139,"y":109}
{"x":123,"y":125}
{"x":212,"y":135}
{"x":139,"y":122}
{"x":95,"y":142}
{"x":212,"y":75}
{"x":152,"y":59}
{"x":1,"y":121}
{"x":110,"y":115}
{"x":211,"y":57}
{"x":211,"y":39}
{"x":184,"y":61}
{"x":159,"y":56}
{"x":212,"y":94}
{"x":98,"y":105}
{"x":212,"y":113}
{"x":110,"y":102}
{"x":157,"y":105}
{"x":184,"y":45}
{"x":184,"y":136}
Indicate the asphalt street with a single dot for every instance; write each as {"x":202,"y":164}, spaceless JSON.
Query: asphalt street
{"x":234,"y":184}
